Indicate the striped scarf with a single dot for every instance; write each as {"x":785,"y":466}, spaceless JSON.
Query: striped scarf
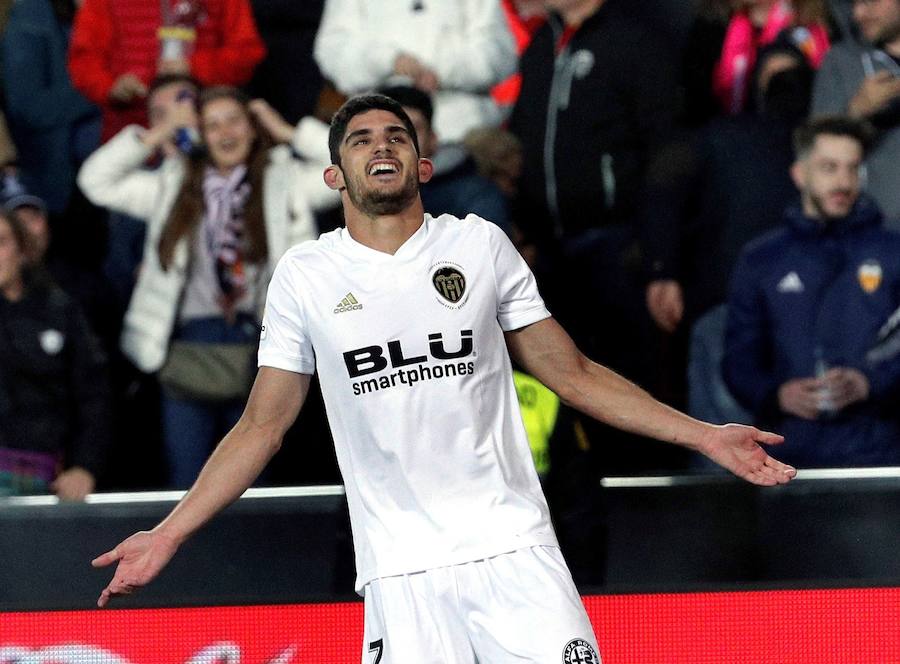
{"x":223,"y":230}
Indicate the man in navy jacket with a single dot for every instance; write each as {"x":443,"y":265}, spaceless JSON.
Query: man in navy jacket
{"x":807,"y":302}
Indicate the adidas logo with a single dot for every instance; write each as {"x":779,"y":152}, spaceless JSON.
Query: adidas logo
{"x":349,"y":303}
{"x":790,"y":283}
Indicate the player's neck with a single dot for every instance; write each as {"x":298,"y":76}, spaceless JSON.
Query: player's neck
{"x":385,"y":233}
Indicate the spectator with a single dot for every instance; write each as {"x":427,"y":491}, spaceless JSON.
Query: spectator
{"x":54,"y":127}
{"x":30,"y":213}
{"x":863,"y":80}
{"x":137,"y":395}
{"x":453,"y":50}
{"x":54,"y":397}
{"x":524,"y":18}
{"x":218,"y":221}
{"x":498,"y":155}
{"x":806,"y":305}
{"x":722,"y":46}
{"x":126,"y":234}
{"x":703,"y":204}
{"x":87,"y":288}
{"x":597,"y":90}
{"x":119,"y":46}
{"x":456,"y":187}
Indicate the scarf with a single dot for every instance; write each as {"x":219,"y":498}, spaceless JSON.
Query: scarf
{"x":223,"y":230}
{"x":732,"y":74}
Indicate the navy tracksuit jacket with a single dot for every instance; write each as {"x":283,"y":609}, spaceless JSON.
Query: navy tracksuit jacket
{"x":809,"y":293}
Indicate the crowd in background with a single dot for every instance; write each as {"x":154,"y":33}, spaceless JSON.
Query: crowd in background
{"x":159,"y":158}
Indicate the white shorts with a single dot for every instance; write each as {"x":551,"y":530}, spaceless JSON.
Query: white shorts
{"x":516,"y":607}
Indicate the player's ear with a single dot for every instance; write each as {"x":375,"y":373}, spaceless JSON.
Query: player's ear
{"x":426,"y":170}
{"x":334,"y":177}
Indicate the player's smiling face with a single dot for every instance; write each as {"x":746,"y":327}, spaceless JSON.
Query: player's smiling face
{"x":380,"y":166}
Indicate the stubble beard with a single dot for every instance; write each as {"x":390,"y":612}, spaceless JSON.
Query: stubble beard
{"x":376,"y":203}
{"x":820,"y":205}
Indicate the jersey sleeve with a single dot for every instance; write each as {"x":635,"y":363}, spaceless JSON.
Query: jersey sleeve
{"x":518,"y":301}
{"x":284,"y":341}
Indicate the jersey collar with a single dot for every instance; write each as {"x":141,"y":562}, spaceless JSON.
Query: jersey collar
{"x":407,"y":251}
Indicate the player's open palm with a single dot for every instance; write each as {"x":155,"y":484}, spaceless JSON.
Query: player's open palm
{"x":739,"y":449}
{"x":141,"y":557}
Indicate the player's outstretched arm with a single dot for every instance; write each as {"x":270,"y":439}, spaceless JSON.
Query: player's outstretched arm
{"x":274,"y":403}
{"x":548,"y":353}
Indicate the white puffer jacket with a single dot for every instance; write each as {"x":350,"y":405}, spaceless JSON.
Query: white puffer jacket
{"x":113,"y":178}
{"x":467,"y":43}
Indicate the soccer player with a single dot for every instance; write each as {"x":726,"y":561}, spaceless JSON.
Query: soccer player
{"x":408,"y":319}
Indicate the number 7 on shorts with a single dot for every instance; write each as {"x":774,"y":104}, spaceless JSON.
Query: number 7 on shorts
{"x":378,"y":648}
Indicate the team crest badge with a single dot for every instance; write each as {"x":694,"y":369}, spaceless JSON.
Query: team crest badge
{"x":579,"y":651}
{"x":869,"y":276}
{"x":450,"y":283}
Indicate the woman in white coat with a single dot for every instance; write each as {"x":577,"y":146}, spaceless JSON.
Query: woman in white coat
{"x":219,"y":218}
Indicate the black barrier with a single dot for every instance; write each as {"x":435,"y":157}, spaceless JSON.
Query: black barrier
{"x":825,"y":529}
{"x":274,"y":546}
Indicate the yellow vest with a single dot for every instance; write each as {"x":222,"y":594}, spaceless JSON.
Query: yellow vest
{"x":540,"y":408}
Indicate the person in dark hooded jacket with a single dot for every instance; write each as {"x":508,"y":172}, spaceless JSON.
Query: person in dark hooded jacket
{"x":54,"y":396}
{"x":806,"y":305}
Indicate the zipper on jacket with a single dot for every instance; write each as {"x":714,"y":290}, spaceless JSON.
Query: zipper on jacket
{"x":559,"y":66}
{"x":838,"y":258}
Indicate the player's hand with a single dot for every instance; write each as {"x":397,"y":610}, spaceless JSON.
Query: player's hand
{"x":846,"y":386}
{"x":279,"y":128}
{"x":875,"y":93}
{"x":141,"y":557}
{"x":738,"y":448}
{"x":73,"y":484}
{"x":127,"y":88}
{"x":665,"y":302}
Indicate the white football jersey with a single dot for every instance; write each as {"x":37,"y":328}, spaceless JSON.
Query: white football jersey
{"x":418,"y":387}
